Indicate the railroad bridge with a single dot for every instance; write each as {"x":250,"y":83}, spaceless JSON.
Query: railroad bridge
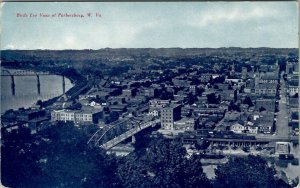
{"x":5,"y":72}
{"x":118,"y":131}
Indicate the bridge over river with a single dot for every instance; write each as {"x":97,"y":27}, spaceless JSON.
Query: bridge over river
{"x":12,"y":74}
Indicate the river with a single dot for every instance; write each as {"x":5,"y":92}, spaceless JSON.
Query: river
{"x":26,"y":90}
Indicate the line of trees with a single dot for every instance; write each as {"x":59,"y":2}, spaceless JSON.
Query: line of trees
{"x":60,"y":157}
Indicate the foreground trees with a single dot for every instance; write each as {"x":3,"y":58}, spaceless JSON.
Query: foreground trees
{"x":252,"y":171}
{"x":164,"y":164}
{"x":60,"y":157}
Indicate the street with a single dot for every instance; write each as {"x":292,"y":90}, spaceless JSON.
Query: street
{"x":282,"y":128}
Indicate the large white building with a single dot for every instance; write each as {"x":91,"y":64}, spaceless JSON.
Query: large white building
{"x":77,"y":116}
{"x":63,"y":115}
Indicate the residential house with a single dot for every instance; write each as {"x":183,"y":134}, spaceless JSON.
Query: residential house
{"x":265,"y":123}
{"x":238,"y":127}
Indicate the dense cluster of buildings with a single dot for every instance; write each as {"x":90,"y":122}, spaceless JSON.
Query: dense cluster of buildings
{"x":224,"y":97}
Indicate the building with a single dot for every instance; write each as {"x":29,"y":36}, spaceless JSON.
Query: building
{"x":185,"y":124}
{"x":265,"y":104}
{"x":63,"y":115}
{"x":77,"y":116}
{"x":268,"y":89}
{"x":251,"y":128}
{"x":154,"y":112}
{"x":265,"y":123}
{"x":129,"y":92}
{"x":282,"y":148}
{"x":269,"y":77}
{"x":224,"y":86}
{"x":158,"y":103}
{"x":228,"y":95}
{"x":204,"y":78}
{"x":88,"y":116}
{"x":180,"y":82}
{"x":293,"y":87}
{"x":238,"y":127}
{"x":169,"y":114}
{"x":149,"y":92}
{"x":27,"y":115}
{"x":290,"y":68}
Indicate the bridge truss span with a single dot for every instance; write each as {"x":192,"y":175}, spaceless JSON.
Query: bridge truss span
{"x":119,"y":131}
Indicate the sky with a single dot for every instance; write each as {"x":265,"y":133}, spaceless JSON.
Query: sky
{"x":151,"y":24}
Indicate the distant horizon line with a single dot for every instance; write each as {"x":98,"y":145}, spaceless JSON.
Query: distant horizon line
{"x":154,"y":48}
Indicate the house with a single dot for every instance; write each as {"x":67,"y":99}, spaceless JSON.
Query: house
{"x":251,"y":128}
{"x":265,"y":123}
{"x":204,"y":78}
{"x":154,"y":112}
{"x":238,"y":127}
{"x":291,"y":67}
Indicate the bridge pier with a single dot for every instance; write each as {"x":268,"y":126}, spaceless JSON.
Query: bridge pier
{"x":133,"y":139}
{"x":13,"y":91}
{"x":38,"y":84}
{"x":63,"y":84}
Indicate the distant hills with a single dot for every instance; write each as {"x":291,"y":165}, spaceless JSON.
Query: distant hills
{"x":11,"y":55}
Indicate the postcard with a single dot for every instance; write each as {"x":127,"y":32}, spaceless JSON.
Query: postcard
{"x":150,"y":94}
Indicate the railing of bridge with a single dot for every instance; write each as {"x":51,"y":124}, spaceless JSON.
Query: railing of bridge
{"x":22,"y":73}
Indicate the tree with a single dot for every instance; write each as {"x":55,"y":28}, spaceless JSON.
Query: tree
{"x":262,"y":109}
{"x":219,"y":79}
{"x":58,"y":157}
{"x":213,"y":99}
{"x":163,"y":165}
{"x":252,"y":171}
{"x":248,"y":101}
{"x":234,"y":107}
{"x":18,"y":166}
